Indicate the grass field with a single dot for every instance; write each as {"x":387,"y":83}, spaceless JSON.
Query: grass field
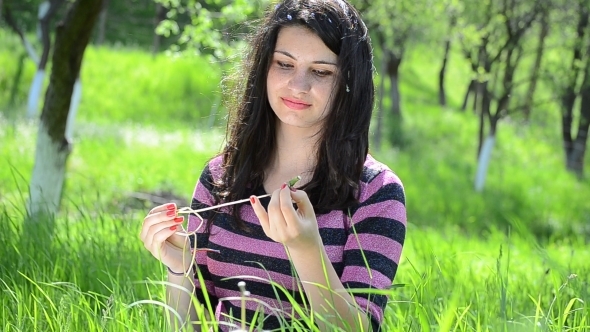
{"x":513,"y":258}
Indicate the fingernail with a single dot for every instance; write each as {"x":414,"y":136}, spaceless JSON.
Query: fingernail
{"x":252,"y":199}
{"x":173,"y":228}
{"x":283,"y":186}
{"x":171,"y":206}
{"x":293,"y":189}
{"x":179,"y":219}
{"x":171,"y":213}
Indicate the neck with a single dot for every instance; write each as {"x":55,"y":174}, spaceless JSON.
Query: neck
{"x":296,"y":152}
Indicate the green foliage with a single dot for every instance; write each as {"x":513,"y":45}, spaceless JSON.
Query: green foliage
{"x":401,"y":23}
{"x":215,"y":26}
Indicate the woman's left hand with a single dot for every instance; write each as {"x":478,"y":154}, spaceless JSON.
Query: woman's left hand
{"x":296,"y":229}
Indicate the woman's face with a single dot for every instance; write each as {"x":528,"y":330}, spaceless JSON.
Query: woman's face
{"x":301,"y":78}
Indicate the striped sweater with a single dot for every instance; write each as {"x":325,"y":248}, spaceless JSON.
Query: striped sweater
{"x":377,"y":225}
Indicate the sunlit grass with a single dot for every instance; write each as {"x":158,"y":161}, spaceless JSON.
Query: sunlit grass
{"x":96,"y":276}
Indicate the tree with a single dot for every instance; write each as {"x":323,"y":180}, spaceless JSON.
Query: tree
{"x":160,"y":15}
{"x":497,"y":48}
{"x":47,"y":11}
{"x":395,"y":26}
{"x":11,"y":21}
{"x":576,"y":84}
{"x":53,"y":148}
{"x":452,"y":9}
{"x":102,"y":21}
{"x":536,"y":68}
{"x":215,"y":25}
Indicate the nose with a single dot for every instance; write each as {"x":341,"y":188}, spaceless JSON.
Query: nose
{"x":299,"y":82}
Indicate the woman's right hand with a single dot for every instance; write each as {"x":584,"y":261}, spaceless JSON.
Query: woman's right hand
{"x":159,"y":237}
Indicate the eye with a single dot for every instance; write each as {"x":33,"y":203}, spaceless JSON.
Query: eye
{"x":322,"y":73}
{"x":284,"y":65}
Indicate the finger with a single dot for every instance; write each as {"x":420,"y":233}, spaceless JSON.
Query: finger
{"x":261,"y":214}
{"x":275,"y":214}
{"x":178,"y":239}
{"x":155,"y":218}
{"x":304,"y":206}
{"x":286,"y":204}
{"x":159,"y":239}
{"x":163,"y":207}
{"x":170,"y":225}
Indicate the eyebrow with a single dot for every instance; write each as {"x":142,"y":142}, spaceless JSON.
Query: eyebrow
{"x":321,"y":62}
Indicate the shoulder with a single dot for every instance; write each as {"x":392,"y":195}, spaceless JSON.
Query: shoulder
{"x":378,"y":179}
{"x":214,"y":168}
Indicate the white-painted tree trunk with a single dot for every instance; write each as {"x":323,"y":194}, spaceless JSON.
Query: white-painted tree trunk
{"x":75,"y":102}
{"x":30,"y":50}
{"x":48,"y":174}
{"x":41,"y":12}
{"x":35,"y":93}
{"x":483,"y":162}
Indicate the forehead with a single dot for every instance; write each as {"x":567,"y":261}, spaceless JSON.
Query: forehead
{"x":302,"y":43}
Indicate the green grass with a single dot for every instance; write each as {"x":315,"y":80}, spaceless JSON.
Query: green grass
{"x":513,"y":258}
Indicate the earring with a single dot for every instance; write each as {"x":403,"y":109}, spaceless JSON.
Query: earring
{"x":347,"y":88}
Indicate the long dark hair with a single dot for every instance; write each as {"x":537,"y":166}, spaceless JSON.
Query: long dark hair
{"x":343,"y":143}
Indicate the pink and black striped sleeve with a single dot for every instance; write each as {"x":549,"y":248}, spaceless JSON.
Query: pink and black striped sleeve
{"x":373,"y":248}
{"x":202,"y":197}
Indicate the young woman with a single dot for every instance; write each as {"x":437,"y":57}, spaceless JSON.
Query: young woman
{"x":305,"y":111}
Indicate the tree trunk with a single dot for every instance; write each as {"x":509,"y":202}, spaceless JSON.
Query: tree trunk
{"x":392,"y":66}
{"x":159,"y":17}
{"x":53,"y":149}
{"x":568,"y":97}
{"x":473,"y":87}
{"x":537,"y":65}
{"x":393,"y":63}
{"x":46,"y":12}
{"x":102,"y":21}
{"x":395,"y":129}
{"x":379,"y":127}
{"x":485,"y":101}
{"x":74,"y":104}
{"x":442,"y":99}
{"x":484,"y":158}
{"x":470,"y":89}
{"x":483,"y":162}
{"x":575,"y":157}
{"x":567,"y":108}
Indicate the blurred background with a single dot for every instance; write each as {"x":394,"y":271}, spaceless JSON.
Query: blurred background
{"x":482,"y":109}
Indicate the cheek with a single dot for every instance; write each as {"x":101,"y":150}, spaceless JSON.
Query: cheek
{"x":327,"y":94}
{"x":274,"y":78}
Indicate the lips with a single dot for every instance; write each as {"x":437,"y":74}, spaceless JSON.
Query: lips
{"x":295,"y":104}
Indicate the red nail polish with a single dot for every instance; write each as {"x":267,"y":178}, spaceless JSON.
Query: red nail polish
{"x":253,"y":200}
{"x":173,"y":228}
{"x":178,"y":219}
{"x":171,"y":213}
{"x":283,"y":186}
{"x":171,"y":206}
